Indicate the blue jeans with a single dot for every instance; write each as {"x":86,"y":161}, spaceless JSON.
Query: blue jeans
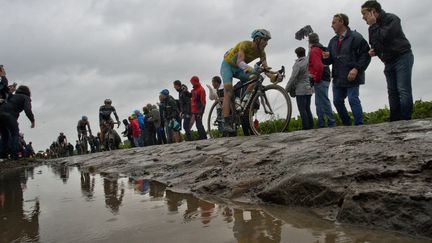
{"x":303,"y":105}
{"x":323,"y":105}
{"x":137,"y":141}
{"x":339,"y":95}
{"x":228,"y":72}
{"x":398,"y":75}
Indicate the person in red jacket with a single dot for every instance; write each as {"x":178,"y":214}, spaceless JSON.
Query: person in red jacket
{"x":320,"y":78}
{"x":136,"y":131}
{"x":198,"y":104}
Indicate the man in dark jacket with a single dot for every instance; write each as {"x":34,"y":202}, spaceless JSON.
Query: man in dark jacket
{"x":169,"y":113}
{"x":185,"y":107}
{"x":348,"y":55}
{"x":389,"y":43}
{"x":9,"y":114}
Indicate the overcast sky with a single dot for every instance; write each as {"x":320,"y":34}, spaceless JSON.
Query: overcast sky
{"x":75,"y":53}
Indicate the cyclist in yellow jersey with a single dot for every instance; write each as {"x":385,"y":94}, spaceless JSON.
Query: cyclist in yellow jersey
{"x":235,"y":64}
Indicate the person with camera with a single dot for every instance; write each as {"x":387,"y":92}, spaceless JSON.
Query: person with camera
{"x":388,"y":42}
{"x":9,"y":114}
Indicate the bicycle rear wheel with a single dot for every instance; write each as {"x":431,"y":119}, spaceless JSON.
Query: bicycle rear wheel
{"x":270,"y":110}
{"x":215,"y":121}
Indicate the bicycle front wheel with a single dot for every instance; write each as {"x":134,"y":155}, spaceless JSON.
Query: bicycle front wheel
{"x":270,"y":110}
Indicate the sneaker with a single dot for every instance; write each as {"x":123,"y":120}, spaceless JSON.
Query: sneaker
{"x":228,"y":128}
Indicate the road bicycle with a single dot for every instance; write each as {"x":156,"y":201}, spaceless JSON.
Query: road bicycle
{"x":268,"y":110}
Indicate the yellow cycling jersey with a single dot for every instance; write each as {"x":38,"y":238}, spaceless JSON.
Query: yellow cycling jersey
{"x":250,"y":53}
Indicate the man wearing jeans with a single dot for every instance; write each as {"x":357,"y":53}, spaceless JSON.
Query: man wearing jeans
{"x":320,"y":75}
{"x":348,"y":55}
{"x":389,"y":43}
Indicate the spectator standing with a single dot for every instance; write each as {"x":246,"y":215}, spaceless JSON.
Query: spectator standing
{"x":348,"y":55}
{"x":149,"y":123}
{"x":216,"y":92}
{"x":185,"y":107}
{"x":320,"y":79}
{"x":156,"y":118}
{"x":299,"y":86}
{"x":198,"y":106}
{"x":128,"y":132}
{"x":141,"y":122}
{"x":389,"y":43}
{"x":170,"y":113}
{"x":9,"y":114}
{"x":136,"y":131}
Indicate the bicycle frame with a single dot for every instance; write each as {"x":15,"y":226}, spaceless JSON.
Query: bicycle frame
{"x":257,"y":88}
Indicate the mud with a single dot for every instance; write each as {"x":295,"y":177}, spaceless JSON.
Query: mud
{"x":377,"y":176}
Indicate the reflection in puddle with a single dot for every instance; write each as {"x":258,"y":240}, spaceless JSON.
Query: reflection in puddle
{"x":18,"y":221}
{"x":65,"y":204}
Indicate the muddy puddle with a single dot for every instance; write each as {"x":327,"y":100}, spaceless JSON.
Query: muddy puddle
{"x":66,"y":204}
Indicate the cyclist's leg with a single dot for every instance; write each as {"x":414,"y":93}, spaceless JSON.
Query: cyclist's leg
{"x":244,"y":77}
{"x":102,"y":134}
{"x":227,"y":76}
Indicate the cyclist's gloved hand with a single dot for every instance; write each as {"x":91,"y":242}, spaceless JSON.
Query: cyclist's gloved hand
{"x":267,"y":68}
{"x":276,"y":78}
{"x":249,"y":69}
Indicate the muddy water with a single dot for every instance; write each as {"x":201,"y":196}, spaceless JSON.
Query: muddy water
{"x":64,"y":204}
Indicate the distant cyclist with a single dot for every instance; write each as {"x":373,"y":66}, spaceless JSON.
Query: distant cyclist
{"x":62,"y":140}
{"x":235,"y":64}
{"x":105,"y":118}
{"x":82,"y":127}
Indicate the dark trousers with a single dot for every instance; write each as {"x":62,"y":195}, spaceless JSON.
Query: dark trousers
{"x":200,"y":127}
{"x":9,"y":131}
{"x":303,"y":105}
{"x":161,"y":137}
{"x":187,"y":127}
